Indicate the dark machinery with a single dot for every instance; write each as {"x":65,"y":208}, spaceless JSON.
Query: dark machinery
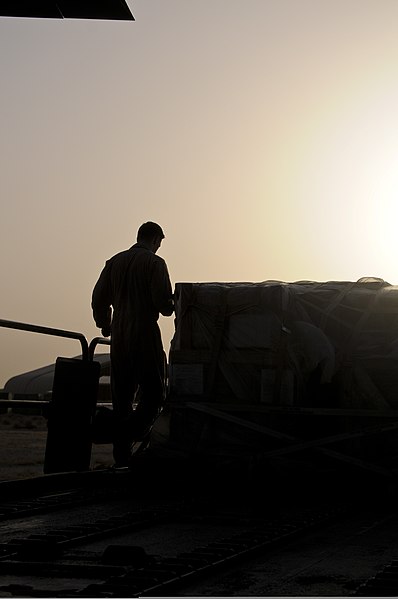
{"x":67,"y":9}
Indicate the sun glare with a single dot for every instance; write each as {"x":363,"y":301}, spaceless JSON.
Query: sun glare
{"x":384,"y":216}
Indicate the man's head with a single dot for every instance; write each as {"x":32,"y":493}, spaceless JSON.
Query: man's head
{"x":150,"y":235}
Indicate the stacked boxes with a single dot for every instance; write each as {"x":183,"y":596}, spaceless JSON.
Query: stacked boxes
{"x":226,"y":341}
{"x":262,"y":343}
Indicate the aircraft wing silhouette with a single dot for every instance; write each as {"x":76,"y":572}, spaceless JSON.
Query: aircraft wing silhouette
{"x":67,"y":9}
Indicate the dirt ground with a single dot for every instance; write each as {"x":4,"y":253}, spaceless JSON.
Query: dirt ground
{"x":23,"y":443}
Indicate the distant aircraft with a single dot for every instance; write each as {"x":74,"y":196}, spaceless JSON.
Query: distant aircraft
{"x":67,"y":9}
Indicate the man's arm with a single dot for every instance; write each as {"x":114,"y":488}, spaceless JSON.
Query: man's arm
{"x":101,"y":302}
{"x":162,"y":293}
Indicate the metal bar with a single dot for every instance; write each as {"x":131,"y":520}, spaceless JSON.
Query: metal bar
{"x":93,"y":344}
{"x":32,"y":328}
{"x":23,"y":403}
{"x":294,"y":410}
{"x":366,"y":432}
{"x":241,"y":422}
{"x":263,"y":430}
{"x":36,"y":403}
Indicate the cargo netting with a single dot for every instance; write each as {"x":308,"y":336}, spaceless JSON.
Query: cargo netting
{"x":274,"y":342}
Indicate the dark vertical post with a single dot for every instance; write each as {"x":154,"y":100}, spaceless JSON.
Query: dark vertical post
{"x":71,"y":415}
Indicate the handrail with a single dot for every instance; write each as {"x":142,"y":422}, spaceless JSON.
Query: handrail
{"x":10,"y":324}
{"x":38,"y":403}
{"x":94,"y":342}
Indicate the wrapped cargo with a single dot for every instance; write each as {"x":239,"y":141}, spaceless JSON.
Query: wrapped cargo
{"x":265,"y":342}
{"x":256,"y":368}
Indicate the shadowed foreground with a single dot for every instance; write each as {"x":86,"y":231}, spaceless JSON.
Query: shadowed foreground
{"x":22,"y":447}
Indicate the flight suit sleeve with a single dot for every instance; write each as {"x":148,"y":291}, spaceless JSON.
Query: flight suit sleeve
{"x":162,"y":293}
{"x":101,"y":299}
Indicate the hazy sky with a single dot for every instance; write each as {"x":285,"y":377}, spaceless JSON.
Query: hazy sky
{"x":261,"y":134}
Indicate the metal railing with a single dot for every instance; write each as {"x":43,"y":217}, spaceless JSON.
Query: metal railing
{"x":41,"y":401}
{"x":33,"y":328}
{"x":93,"y":344}
{"x":26,"y":404}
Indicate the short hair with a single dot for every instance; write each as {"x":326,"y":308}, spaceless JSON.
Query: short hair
{"x":149,"y":231}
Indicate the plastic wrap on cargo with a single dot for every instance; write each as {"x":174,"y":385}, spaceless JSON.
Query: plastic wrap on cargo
{"x":263,"y":342}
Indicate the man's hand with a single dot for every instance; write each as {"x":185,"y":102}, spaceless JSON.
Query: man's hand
{"x":106,"y":331}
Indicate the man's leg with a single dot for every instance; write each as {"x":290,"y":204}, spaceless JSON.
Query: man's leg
{"x":150,"y":397}
{"x":123,"y":388}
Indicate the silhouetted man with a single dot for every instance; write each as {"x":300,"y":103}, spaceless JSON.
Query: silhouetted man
{"x":133,"y":288}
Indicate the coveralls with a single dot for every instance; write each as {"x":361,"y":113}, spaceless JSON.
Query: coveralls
{"x":136,"y":284}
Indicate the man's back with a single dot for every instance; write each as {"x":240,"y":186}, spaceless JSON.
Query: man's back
{"x":136,"y":284}
{"x":139,"y":279}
